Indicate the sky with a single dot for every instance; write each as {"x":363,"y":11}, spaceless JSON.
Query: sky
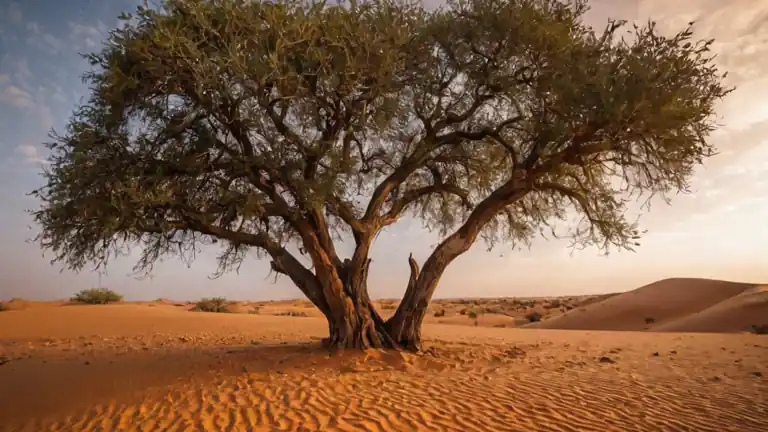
{"x":717,"y":231}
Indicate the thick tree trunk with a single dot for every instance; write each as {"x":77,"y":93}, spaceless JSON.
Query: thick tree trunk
{"x":357,"y":324}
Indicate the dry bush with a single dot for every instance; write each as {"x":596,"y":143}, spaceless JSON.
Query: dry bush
{"x":440,"y":313}
{"x":293,"y":314}
{"x":760,"y":329}
{"x":96,"y":296}
{"x":3,"y":307}
{"x":650,"y":320}
{"x":215,"y":304}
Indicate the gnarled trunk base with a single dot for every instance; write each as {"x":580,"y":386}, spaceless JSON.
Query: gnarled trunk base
{"x":358,"y":330}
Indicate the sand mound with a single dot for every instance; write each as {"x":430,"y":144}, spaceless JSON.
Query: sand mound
{"x":736,"y":314}
{"x":678,"y":304}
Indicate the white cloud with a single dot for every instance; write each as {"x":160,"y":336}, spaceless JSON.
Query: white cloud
{"x":23,"y":99}
{"x":44,"y":41}
{"x":17,"y":97}
{"x":31,"y":154}
{"x":87,"y":37}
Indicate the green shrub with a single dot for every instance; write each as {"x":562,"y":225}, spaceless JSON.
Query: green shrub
{"x":760,"y":329}
{"x":215,"y":304}
{"x":96,"y":296}
{"x":472,"y":315}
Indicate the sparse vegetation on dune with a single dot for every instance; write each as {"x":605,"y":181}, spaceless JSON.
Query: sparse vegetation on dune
{"x":96,"y":296}
{"x":215,"y":304}
{"x":293,"y":314}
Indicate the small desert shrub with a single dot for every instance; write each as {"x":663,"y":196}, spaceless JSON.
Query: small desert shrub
{"x":472,"y":315}
{"x":533,"y":317}
{"x":463,"y":311}
{"x":3,"y":307}
{"x":650,"y":320}
{"x":760,"y":329}
{"x":387,"y":306}
{"x":293,"y":314}
{"x":96,"y":296}
{"x":440,"y":313}
{"x":215,"y":304}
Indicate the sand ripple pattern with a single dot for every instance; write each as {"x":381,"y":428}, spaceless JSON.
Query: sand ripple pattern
{"x":466,"y":388}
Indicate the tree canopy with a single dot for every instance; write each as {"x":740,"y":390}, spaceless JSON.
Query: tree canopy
{"x":285,"y":127}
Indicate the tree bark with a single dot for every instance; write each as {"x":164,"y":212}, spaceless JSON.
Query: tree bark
{"x":358,"y":324}
{"x":405,"y":324}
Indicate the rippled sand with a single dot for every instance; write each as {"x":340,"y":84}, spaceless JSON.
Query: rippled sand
{"x":141,"y":368}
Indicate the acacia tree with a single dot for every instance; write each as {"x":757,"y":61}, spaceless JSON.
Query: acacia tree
{"x":285,"y":127}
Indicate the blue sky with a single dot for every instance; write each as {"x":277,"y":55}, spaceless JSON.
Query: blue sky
{"x":718,"y":231}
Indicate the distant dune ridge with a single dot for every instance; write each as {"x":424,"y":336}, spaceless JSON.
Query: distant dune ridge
{"x":673,"y":305}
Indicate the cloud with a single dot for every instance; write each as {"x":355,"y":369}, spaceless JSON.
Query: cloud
{"x":24,"y":100}
{"x":87,"y":37}
{"x":17,"y":97}
{"x":31,"y":154}
{"x":22,"y":73}
{"x":42,"y":40}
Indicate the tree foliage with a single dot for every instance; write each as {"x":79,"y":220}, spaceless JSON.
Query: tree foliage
{"x":279,"y":126}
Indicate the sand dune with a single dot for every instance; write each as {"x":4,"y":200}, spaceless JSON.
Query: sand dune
{"x":158,"y":367}
{"x":735,"y":314}
{"x":681,"y":304}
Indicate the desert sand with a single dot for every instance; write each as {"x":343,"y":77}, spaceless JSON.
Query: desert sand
{"x":155,"y":366}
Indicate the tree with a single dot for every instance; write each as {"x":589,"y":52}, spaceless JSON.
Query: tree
{"x":285,"y":127}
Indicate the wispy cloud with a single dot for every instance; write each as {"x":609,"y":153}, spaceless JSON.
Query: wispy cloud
{"x":31,"y":154}
{"x":17,"y":97}
{"x":40,"y":39}
{"x":87,"y":37}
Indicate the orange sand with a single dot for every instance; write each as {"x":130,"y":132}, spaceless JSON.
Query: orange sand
{"x":159,"y":367}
